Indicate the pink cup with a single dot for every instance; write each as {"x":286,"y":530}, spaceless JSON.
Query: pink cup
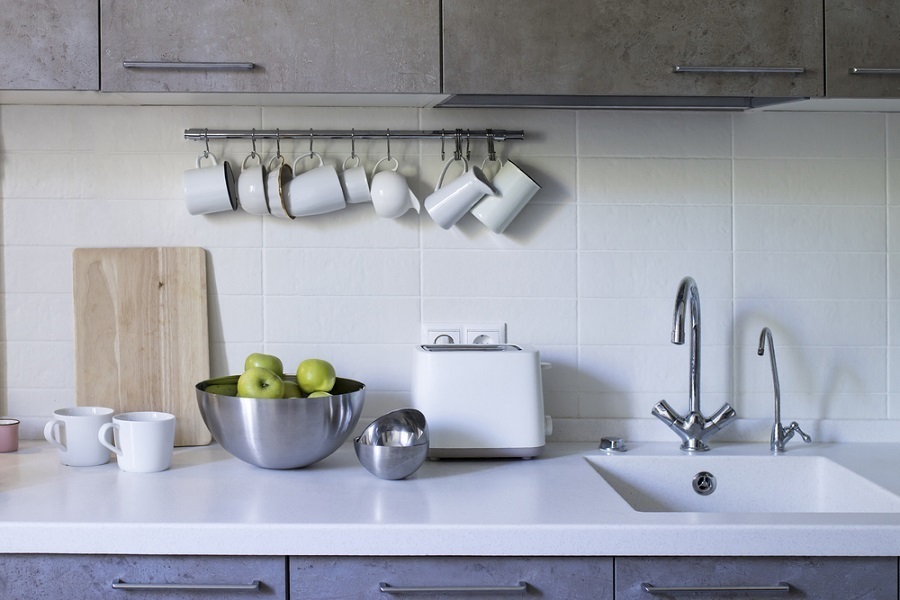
{"x":9,"y":435}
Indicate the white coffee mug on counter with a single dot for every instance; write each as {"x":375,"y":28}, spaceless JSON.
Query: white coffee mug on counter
{"x":514,"y":189}
{"x":75,"y":432}
{"x":449,"y":203}
{"x":143,"y":441}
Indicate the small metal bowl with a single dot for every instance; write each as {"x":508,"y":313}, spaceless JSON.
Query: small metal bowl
{"x":394,"y":445}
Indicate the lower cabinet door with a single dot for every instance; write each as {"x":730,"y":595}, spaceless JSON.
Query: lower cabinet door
{"x":819,"y":578}
{"x":26,"y":576}
{"x":435,"y":578}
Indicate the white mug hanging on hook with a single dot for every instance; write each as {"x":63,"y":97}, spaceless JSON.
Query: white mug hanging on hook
{"x":209,"y":189}
{"x":390,"y":191}
{"x":252,"y":186}
{"x":514,"y":188}
{"x":449,"y":203}
{"x":314,"y":192}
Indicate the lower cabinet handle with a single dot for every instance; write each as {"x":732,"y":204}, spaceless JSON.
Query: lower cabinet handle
{"x":253,"y":586}
{"x":203,"y":66}
{"x":654,"y":589}
{"x":873,"y":71}
{"x":387,"y":588}
{"x":752,"y":70}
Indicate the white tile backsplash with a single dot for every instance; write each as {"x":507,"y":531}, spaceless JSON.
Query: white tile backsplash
{"x":786,"y":220}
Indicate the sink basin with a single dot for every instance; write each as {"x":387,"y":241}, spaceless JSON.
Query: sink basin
{"x":742,"y":484}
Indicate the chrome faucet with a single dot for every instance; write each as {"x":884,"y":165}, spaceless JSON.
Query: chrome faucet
{"x":693,"y":428}
{"x":780,"y":435}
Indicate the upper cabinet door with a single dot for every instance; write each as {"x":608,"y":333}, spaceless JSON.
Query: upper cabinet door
{"x":377,"y":46}
{"x":49,"y":45}
{"x":632,"y":47}
{"x":862,"y":48}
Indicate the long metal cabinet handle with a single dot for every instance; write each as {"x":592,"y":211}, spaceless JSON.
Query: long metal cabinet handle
{"x":756,"y":70}
{"x":387,"y":588}
{"x":653,"y":589}
{"x":253,"y":586}
{"x":873,"y":71}
{"x":202,"y":66}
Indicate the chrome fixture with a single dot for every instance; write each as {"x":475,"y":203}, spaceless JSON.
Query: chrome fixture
{"x":612,"y":444}
{"x":693,"y":428}
{"x":780,"y":435}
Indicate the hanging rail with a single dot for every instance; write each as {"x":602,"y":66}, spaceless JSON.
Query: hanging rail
{"x":499,"y":135}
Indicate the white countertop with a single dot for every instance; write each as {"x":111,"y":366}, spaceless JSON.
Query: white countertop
{"x":212,"y":503}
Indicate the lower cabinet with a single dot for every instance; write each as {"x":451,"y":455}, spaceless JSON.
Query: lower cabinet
{"x":33,"y":576}
{"x":820,"y":578}
{"x":434,"y":577}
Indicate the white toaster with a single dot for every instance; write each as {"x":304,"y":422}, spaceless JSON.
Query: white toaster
{"x":480,"y":400}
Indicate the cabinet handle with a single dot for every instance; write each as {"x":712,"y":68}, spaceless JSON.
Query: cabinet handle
{"x":253,"y":586}
{"x":203,"y":66}
{"x":653,"y":589}
{"x":387,"y":588}
{"x":873,"y":71}
{"x":752,"y":70}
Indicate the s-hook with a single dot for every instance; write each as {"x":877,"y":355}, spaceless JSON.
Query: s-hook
{"x":206,"y":137}
{"x":253,"y":153}
{"x":387,"y":137}
{"x":352,"y":143}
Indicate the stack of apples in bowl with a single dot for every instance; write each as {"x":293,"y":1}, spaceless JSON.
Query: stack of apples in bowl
{"x":278,"y":421}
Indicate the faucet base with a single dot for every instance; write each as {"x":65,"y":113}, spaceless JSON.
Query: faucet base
{"x":694,"y":446}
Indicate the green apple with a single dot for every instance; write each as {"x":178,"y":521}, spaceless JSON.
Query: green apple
{"x":318,"y":394}
{"x":257,"y":382}
{"x":292,"y":390}
{"x":315,"y":375}
{"x":266,"y":361}
{"x":222,"y":389}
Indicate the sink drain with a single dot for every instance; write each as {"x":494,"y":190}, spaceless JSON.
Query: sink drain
{"x":704,"y":483}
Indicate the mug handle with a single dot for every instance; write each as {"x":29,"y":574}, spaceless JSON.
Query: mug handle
{"x":51,"y":428}
{"x":249,"y":156}
{"x":487,"y":159}
{"x":447,"y":166}
{"x":272,"y":161}
{"x":101,"y":435}
{"x":209,"y":155}
{"x":344,"y":168}
{"x":393,"y":158}
{"x":307,"y":155}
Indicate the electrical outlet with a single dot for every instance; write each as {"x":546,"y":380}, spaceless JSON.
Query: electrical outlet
{"x":462,"y":333}
{"x":485,"y":333}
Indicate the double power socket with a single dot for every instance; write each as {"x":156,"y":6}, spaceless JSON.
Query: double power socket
{"x":463,"y":333}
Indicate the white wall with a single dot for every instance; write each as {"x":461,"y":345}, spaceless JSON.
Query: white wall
{"x":784,"y":219}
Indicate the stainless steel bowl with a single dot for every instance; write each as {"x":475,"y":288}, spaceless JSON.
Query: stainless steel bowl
{"x":394,"y":445}
{"x":283,"y":433}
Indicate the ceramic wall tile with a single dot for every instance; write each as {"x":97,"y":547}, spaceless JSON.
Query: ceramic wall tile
{"x":654,"y":134}
{"x":809,"y":135}
{"x":654,"y":228}
{"x":651,"y":274}
{"x":811,"y":276}
{"x":654,"y":181}
{"x":810,"y":228}
{"x":803,"y":181}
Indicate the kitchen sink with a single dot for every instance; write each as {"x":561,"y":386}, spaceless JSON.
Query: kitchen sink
{"x":741,"y":484}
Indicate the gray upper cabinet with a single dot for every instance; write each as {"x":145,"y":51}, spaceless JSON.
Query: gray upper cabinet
{"x":632,"y":47}
{"x":862,"y":49}
{"x":378,"y":46}
{"x":49,"y":45}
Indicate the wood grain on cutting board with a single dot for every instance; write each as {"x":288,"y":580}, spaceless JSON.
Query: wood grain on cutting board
{"x":141,"y":332}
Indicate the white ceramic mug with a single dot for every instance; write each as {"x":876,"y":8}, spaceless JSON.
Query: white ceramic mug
{"x":75,"y":433}
{"x":209,"y":189}
{"x":449,"y":203}
{"x":314,"y":192}
{"x":390,"y":191}
{"x":276,"y":181}
{"x":252,"y":186}
{"x":355,"y":182}
{"x":514,"y":189}
{"x":143,"y":441}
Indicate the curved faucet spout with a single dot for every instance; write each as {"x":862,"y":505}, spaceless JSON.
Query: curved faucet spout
{"x":693,"y":428}
{"x":780,"y":436}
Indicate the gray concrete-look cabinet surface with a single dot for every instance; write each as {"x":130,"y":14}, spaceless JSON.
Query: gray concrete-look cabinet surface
{"x":565,"y":578}
{"x":630,"y":47}
{"x":378,"y":46}
{"x":49,"y":45}
{"x":820,"y":578}
{"x":92,"y":576}
{"x":866,"y":36}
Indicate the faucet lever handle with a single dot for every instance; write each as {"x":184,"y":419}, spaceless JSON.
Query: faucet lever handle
{"x":795,"y":427}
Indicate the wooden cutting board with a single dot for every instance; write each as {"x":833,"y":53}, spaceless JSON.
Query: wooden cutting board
{"x":141,"y":332}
